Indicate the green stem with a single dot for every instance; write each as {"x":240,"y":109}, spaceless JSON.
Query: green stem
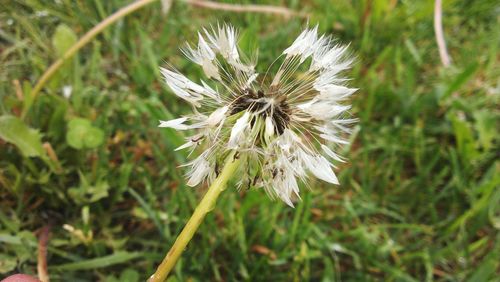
{"x":79,"y":44}
{"x":206,"y":205}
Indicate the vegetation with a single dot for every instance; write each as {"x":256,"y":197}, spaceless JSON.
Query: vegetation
{"x":419,"y":199}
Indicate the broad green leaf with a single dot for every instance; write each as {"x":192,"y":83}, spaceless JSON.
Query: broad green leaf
{"x":81,"y":134}
{"x":17,"y":240}
{"x":465,"y":138}
{"x":94,"y":137}
{"x":7,"y":263}
{"x":63,"y":39}
{"x":79,"y":123}
{"x":129,"y":275}
{"x":74,"y":139}
{"x":111,"y":279}
{"x":15,"y":131}
{"x":486,"y":126}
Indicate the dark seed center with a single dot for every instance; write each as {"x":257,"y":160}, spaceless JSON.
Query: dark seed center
{"x":280,"y":113}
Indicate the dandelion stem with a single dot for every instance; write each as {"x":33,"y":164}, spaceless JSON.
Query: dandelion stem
{"x":206,"y":205}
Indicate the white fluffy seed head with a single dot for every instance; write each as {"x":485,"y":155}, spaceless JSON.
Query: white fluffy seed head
{"x":273,"y":122}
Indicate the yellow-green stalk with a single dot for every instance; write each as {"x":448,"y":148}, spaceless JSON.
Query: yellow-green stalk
{"x":206,"y":205}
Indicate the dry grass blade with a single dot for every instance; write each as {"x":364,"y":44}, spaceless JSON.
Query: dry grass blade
{"x":266,"y":9}
{"x":438,"y":29}
{"x":43,"y":240}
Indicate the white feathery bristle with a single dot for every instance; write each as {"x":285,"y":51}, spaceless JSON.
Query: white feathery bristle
{"x":269,"y":127}
{"x":175,"y":123}
{"x":200,"y":170}
{"x":217,"y":116}
{"x":237,"y":130}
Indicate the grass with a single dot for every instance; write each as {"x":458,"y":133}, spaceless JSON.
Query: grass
{"x":419,"y":197}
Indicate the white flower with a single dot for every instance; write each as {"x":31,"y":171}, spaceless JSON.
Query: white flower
{"x":67,"y":91}
{"x":273,"y":123}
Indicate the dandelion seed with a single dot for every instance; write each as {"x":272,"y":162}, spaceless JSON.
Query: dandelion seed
{"x":274,"y":123}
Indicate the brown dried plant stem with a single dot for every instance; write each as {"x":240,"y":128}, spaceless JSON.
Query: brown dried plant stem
{"x":247,"y":8}
{"x":438,"y":30}
{"x":43,"y":240}
{"x":206,"y":205}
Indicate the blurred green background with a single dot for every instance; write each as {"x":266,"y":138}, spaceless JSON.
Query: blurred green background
{"x":419,"y":199}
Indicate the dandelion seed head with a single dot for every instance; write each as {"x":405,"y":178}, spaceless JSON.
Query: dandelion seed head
{"x":285,"y":127}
